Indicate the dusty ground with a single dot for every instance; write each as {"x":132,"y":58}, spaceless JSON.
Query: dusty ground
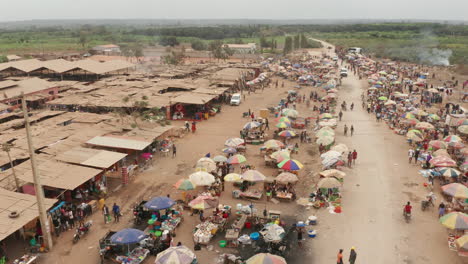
{"x":374,"y":193}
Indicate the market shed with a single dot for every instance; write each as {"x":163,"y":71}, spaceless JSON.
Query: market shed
{"x":26,"y":207}
{"x":116,"y":142}
{"x":91,"y":157}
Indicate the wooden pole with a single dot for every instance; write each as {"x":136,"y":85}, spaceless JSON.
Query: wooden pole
{"x":7,"y":147}
{"x":37,"y":183}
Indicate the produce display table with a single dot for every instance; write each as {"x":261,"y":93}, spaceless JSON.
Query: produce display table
{"x":204,"y":232}
{"x":256,"y":194}
{"x":137,"y":256}
{"x":284,"y":196}
{"x":231,"y":237}
{"x":26,"y":259}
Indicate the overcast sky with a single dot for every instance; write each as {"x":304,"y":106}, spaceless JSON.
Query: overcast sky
{"x":218,"y":9}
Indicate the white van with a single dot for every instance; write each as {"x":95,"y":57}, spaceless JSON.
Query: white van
{"x":236,"y":99}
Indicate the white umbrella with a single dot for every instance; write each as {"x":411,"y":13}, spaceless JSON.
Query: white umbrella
{"x":286,"y":177}
{"x":202,"y":178}
{"x":342,"y":148}
{"x":331,"y":154}
{"x":328,"y":183}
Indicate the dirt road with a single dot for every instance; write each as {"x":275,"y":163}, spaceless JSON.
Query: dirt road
{"x":374,"y":192}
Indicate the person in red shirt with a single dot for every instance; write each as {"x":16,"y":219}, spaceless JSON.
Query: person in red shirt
{"x":339,"y":257}
{"x":354,"y":156}
{"x":408,"y":208}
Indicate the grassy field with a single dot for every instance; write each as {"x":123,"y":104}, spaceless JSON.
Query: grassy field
{"x":400,"y":45}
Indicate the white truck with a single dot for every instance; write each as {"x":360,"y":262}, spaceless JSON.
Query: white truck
{"x":236,"y":99}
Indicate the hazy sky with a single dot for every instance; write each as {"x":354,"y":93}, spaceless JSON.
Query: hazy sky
{"x":261,"y":9}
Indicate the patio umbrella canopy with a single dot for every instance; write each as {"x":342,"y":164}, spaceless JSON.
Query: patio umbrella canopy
{"x":266,"y":258}
{"x":253,"y":176}
{"x":159,"y":203}
{"x":286,"y":177}
{"x":251,"y":125}
{"x":462,"y":242}
{"x":128,"y":236}
{"x":273,"y":144}
{"x":233,"y":177}
{"x":333,"y":173}
{"x":185,"y":184}
{"x":220,"y":158}
{"x":234,"y":142}
{"x":457,"y":220}
{"x":456,"y":190}
{"x":328,"y":183}
{"x":438,"y":144}
{"x":290,"y":165}
{"x":202,"y":178}
{"x":203,"y":202}
{"x":175,"y":255}
{"x":237,"y":159}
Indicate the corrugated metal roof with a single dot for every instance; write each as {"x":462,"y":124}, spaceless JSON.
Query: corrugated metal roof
{"x":118,"y":142}
{"x":91,"y":157}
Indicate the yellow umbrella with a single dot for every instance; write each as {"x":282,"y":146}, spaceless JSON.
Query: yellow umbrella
{"x":233,"y":177}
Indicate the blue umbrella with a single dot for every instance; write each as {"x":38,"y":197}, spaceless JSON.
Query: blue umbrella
{"x":159,"y":203}
{"x":128,"y":236}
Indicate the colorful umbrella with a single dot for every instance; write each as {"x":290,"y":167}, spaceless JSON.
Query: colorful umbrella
{"x":185,"y":184}
{"x":326,"y":116}
{"x":202,"y":178}
{"x":128,"y":236}
{"x":251,"y":125}
{"x":409,"y":116}
{"x":449,"y":172}
{"x":463,"y":129}
{"x":452,"y":139}
{"x":229,"y":150}
{"x":274,"y":144}
{"x":463,"y":122}
{"x":328,"y":183}
{"x":280,"y":155}
{"x":283,"y":119}
{"x":442,"y":161}
{"x":456,"y":145}
{"x":441,"y":152}
{"x":456,"y":220}
{"x":234,"y":142}
{"x":233,"y":177}
{"x":462,"y":242}
{"x":204,"y":202}
{"x":409,"y":121}
{"x":286,"y":177}
{"x":424,"y":126}
{"x":266,"y":258}
{"x":159,"y":203}
{"x":287,"y":133}
{"x":175,"y":255}
{"x":415,"y":135}
{"x":333,"y":173}
{"x":237,"y":159}
{"x":456,"y":190}
{"x":434,"y":117}
{"x":290,"y":165}
{"x":220,"y":158}
{"x":290,"y":113}
{"x":283,"y":125}
{"x":438,"y":144}
{"x":253,"y":176}
{"x":383,"y":98}
{"x":325,"y":140}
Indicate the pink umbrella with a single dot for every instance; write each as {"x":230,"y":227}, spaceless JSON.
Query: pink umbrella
{"x":442,"y":161}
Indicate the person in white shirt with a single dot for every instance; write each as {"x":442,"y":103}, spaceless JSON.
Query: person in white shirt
{"x":410,"y":155}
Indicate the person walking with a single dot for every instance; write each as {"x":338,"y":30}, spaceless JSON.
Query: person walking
{"x":428,"y":159}
{"x":339,"y":257}
{"x":354,"y":156}
{"x":345,"y":130}
{"x":416,"y":155}
{"x":441,"y":209}
{"x":299,"y":237}
{"x":194,"y":126}
{"x":352,"y":255}
{"x":106,"y":213}
{"x":410,"y":155}
{"x":116,"y":211}
{"x":187,"y":126}
{"x":352,"y":130}
{"x":71,"y":219}
{"x":350,"y":159}
{"x":340,"y":115}
{"x":174,"y":150}
{"x":267,"y":126}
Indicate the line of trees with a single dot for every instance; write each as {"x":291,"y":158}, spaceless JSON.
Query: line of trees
{"x":299,"y":41}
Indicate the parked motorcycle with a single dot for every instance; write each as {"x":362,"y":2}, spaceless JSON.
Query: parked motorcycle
{"x":81,"y":231}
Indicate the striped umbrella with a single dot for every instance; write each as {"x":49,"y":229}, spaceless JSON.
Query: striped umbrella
{"x":185,"y":184}
{"x":233,"y":177}
{"x":287,"y":133}
{"x":220,"y":158}
{"x":463,"y":122}
{"x":237,"y":159}
{"x":283,"y":125}
{"x":202,"y":178}
{"x":274,"y":144}
{"x":253,"y":176}
{"x":463,"y":129}
{"x":442,"y":161}
{"x":283,"y":119}
{"x":290,"y":165}
{"x":438,"y":144}
{"x":203,"y":202}
{"x":280,"y":155}
{"x":286,"y":177}
{"x":456,"y":190}
{"x":251,"y":125}
{"x":462,"y":242}
{"x":456,"y":220}
{"x":452,"y":139}
{"x":266,"y":258}
{"x":175,"y":255}
{"x":229,"y":150}
{"x":441,"y":152}
{"x":234,"y":142}
{"x":449,"y":172}
{"x":328,"y":123}
{"x":342,"y":148}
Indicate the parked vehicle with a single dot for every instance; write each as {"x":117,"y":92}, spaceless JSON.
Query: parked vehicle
{"x":81,"y":231}
{"x":236,"y":99}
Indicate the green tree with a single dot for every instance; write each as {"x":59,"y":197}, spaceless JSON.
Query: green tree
{"x":219,"y":50}
{"x":138,"y":50}
{"x":168,"y":41}
{"x":288,"y":45}
{"x":3,"y":59}
{"x":199,"y":45}
{"x":174,"y":57}
{"x":304,"y":44}
{"x":296,"y":42}
{"x":83,"y":38}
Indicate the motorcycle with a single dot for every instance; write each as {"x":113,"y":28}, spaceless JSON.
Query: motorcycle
{"x":427,"y":202}
{"x":407,"y":216}
{"x":81,"y":231}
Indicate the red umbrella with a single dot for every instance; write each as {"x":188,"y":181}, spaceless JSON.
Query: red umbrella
{"x":442,"y":161}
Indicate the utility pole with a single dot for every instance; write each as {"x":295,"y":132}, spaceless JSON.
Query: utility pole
{"x":37,"y":182}
{"x":7,"y":147}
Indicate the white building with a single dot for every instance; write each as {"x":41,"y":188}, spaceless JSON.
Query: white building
{"x":106,"y":49}
{"x":248,"y":48}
